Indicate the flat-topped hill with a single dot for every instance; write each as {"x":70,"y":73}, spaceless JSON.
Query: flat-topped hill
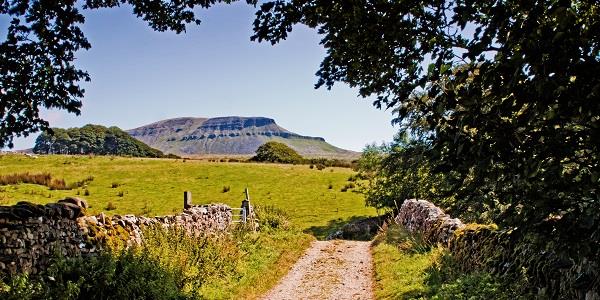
{"x":229,"y":136}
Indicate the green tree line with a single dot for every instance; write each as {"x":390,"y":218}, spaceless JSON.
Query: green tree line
{"x":92,"y":139}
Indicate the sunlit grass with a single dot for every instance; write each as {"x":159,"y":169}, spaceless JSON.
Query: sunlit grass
{"x":156,"y":186}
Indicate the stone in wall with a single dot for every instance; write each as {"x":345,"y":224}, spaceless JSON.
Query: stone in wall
{"x":424,"y":217}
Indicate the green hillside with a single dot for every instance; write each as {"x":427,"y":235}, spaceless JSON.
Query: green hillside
{"x":312,"y":198}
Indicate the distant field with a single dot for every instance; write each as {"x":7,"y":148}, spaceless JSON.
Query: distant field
{"x":156,"y":186}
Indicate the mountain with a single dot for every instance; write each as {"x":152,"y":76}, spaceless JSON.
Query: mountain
{"x":230,"y":136}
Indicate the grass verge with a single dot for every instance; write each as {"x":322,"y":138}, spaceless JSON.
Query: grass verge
{"x":408,"y":268}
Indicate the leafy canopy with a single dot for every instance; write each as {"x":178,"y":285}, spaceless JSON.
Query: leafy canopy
{"x":504,"y":95}
{"x":37,"y":67}
{"x":93,"y":139}
{"x":276,"y":152}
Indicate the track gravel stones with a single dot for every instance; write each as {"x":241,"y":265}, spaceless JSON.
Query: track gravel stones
{"x":335,"y":269}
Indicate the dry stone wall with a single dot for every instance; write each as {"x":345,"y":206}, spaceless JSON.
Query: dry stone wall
{"x":30,"y":234}
{"x":484,"y":247}
{"x":427,"y":219}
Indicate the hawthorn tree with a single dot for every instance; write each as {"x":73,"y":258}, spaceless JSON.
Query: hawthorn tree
{"x":37,"y":68}
{"x":505,"y":95}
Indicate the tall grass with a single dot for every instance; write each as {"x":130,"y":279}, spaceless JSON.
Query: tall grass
{"x":173,"y":265}
{"x":44,"y":178}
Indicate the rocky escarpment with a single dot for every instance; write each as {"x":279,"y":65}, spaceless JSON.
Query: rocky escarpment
{"x":228,"y":135}
{"x":30,"y":234}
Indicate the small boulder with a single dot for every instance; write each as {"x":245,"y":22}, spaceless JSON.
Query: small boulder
{"x":77,"y":201}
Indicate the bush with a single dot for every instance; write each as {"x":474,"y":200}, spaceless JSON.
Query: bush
{"x":348,"y":186}
{"x":110,"y":206}
{"x":276,"y":152}
{"x":270,"y":217}
{"x":226,"y":189}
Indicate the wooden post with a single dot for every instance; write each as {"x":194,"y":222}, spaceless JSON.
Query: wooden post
{"x":246,"y":206}
{"x":187,"y":199}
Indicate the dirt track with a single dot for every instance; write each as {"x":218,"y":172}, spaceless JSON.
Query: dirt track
{"x":329,"y":270}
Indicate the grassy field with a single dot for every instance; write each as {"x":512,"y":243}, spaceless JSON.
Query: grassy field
{"x":313,"y":199}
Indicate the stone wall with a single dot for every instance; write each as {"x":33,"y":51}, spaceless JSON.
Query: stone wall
{"x":31,"y":233}
{"x":427,"y":219}
{"x":484,"y":247}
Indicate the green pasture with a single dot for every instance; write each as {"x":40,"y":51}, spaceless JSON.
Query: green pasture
{"x":155,"y":186}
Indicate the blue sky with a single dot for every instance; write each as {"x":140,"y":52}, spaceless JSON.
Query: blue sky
{"x":140,"y":76}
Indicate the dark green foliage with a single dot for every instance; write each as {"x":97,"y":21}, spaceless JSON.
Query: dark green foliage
{"x":396,"y":172}
{"x":325,"y":162}
{"x":276,"y":152}
{"x":92,"y":139}
{"x":507,"y":107}
{"x":37,"y":67}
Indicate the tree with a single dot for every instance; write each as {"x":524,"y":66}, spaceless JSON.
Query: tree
{"x":276,"y":152}
{"x":93,"y":139}
{"x":504,"y":96}
{"x":37,"y":67}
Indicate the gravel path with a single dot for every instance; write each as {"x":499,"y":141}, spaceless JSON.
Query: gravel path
{"x":329,"y":270}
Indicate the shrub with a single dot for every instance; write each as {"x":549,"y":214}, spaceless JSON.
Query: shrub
{"x":226,"y":189}
{"x":86,"y":192}
{"x":348,"y":186}
{"x":115,"y":185}
{"x":270,"y":217}
{"x":276,"y":152}
{"x":320,"y":166}
{"x":120,"y":194}
{"x":110,"y":206}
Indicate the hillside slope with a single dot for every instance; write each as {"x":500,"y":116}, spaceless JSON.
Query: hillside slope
{"x":229,"y":136}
